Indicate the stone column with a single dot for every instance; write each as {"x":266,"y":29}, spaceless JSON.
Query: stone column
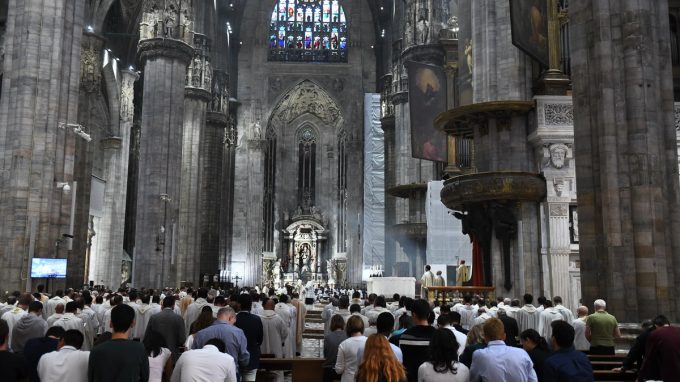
{"x":110,"y":232}
{"x":197,"y":96}
{"x":212,"y":151}
{"x":165,"y":57}
{"x":39,"y":91}
{"x":626,"y":157}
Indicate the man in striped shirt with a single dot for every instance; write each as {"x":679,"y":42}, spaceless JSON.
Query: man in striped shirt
{"x":415,"y":341}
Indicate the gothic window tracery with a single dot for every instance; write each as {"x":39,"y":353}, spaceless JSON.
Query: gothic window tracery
{"x":307,"y":166}
{"x":308,"y":30}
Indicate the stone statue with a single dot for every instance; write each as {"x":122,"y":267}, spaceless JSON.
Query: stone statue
{"x":468,"y":55}
{"x":170,"y":23}
{"x":423,"y":29}
{"x":196,"y":67}
{"x":257,"y":130}
{"x":408,"y":32}
{"x":558,"y":154}
{"x":207,"y":75}
{"x":329,"y":269}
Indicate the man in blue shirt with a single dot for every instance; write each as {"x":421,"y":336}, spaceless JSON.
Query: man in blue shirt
{"x":223,"y":328}
{"x":499,"y":362}
{"x":566,"y":363}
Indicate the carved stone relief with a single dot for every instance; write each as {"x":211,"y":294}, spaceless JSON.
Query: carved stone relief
{"x":127,"y":110}
{"x":559,"y":114}
{"x":167,"y":19}
{"x":91,"y":63}
{"x":559,"y":209}
{"x":558,"y":155}
{"x":306,"y":98}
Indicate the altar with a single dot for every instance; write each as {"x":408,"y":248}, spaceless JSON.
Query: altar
{"x":387,"y":286}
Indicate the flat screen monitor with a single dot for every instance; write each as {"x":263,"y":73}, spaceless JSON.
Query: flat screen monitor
{"x":52,"y":268}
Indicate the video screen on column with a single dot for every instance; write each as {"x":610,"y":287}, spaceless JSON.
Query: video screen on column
{"x":48,"y":268}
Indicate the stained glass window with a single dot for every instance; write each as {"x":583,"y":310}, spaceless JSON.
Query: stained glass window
{"x":308,"y":31}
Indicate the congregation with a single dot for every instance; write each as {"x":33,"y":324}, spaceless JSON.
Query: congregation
{"x":221,"y":335}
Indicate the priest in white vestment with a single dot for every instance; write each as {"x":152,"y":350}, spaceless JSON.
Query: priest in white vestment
{"x":288,"y":317}
{"x":425,"y":282}
{"x":528,"y":316}
{"x":14,"y":315}
{"x":194,"y":309}
{"x":275,"y":331}
{"x":548,"y":315}
{"x":51,"y":304}
{"x":69,"y":321}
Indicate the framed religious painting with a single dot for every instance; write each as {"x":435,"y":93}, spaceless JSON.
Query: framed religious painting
{"x":529,"y":25}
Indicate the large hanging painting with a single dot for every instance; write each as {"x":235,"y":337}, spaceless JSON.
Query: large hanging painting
{"x":529,"y":23}
{"x":427,"y":99}
{"x":308,"y":30}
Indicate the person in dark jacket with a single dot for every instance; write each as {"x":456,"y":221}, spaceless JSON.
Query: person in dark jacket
{"x":637,"y":351}
{"x":566,"y":364}
{"x":537,"y":348}
{"x":35,"y":348}
{"x":170,"y":326}
{"x":252,"y":327}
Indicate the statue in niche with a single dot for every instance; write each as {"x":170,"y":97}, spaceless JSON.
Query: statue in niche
{"x":298,"y":211}
{"x":257,"y":130}
{"x":423,"y":27}
{"x":207,"y":75}
{"x":558,"y":154}
{"x":329,"y":269}
{"x":408,"y":32}
{"x":170,"y":22}
{"x":468,"y":55}
{"x":574,"y":224}
{"x":196,"y":72}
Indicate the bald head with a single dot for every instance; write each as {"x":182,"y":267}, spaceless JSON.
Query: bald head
{"x":582,"y":311}
{"x":269,"y":304}
{"x":59,"y":308}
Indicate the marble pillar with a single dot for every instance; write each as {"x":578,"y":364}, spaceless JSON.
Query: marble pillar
{"x":160,"y":159}
{"x":39,"y":91}
{"x":626,"y":157}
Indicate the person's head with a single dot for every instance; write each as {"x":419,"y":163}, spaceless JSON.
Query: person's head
{"x":557,"y":300}
{"x":356,"y":294}
{"x":494,"y":330}
{"x":439,"y":273}
{"x":202,"y":293}
{"x":41,"y":288}
{"x":355,"y":325}
{"x":541,"y":300}
{"x":218,"y":343}
{"x":396,"y":297}
{"x":355,"y":308}
{"x":35,"y":307}
{"x":284,"y":298}
{"x":99,"y":299}
{"x":343,"y":302}
{"x":154,"y":343}
{"x":4,"y":334}
{"x":87,"y":300}
{"x":133,"y":295}
{"x":72,"y":307}
{"x":444,"y":351}
{"x":269,"y":304}
{"x":530,"y":339}
{"x":221,"y":301}
{"x":660,"y":321}
{"x":406,"y":321}
{"x":582,"y":311}
{"x":562,"y":335}
{"x":427,"y":268}
{"x":528,"y":299}
{"x":245,"y":301}
{"x":227,"y":314}
{"x":146,"y":299}
{"x":155,"y":299}
{"x":548,"y":304}
{"x":25,"y":300}
{"x":514,"y":303}
{"x":475,"y":335}
{"x":59,"y":293}
{"x":443,"y":320}
{"x":122,"y":318}
{"x":385,"y":323}
{"x":599,"y":305}
{"x":337,"y":323}
{"x":71,"y":338}
{"x":59,"y":309}
{"x":445,"y":309}
{"x":467,"y":299}
{"x":379,"y":360}
{"x":420,"y":311}
{"x":116,"y":300}
{"x":380,"y":301}
{"x":169,"y":302}
{"x":454,"y":317}
{"x":56,"y":332}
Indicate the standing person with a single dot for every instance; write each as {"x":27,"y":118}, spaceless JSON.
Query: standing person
{"x":69,"y":320}
{"x":528,"y":316}
{"x":601,"y":329}
{"x":51,"y":304}
{"x":511,"y":328}
{"x":119,"y":359}
{"x":566,"y":363}
{"x":347,"y":362}
{"x":69,"y":363}
{"x":439,"y":280}
{"x":378,"y":362}
{"x":567,"y":315}
{"x":15,"y":314}
{"x":331,"y":343}
{"x":442,"y":364}
{"x":415,"y":341}
{"x":444,"y":322}
{"x":170,"y":326}
{"x":160,"y":357}
{"x":37,"y":347}
{"x":425,"y":282}
{"x":288,"y":314}
{"x":462,"y":274}
{"x":580,"y":341}
{"x":29,"y":326}
{"x":537,"y":348}
{"x":12,"y":366}
{"x":252,"y":328}
{"x":301,"y":310}
{"x":234,"y":339}
{"x":499,"y":362}
{"x":195,"y":308}
{"x":547,"y":317}
{"x":662,"y":353}
{"x":210,"y":363}
{"x":58,"y":313}
{"x":274,"y":330}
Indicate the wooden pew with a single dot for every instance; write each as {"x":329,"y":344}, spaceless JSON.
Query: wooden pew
{"x":304,"y":369}
{"x":603,"y":365}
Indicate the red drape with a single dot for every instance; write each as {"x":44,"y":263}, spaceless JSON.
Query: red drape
{"x":477,"y":262}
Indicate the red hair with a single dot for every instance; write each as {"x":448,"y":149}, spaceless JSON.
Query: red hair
{"x":379,"y":359}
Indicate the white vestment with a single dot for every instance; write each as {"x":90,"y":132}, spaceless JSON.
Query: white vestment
{"x":193,"y":311}
{"x":275,"y":333}
{"x":70,"y":321}
{"x":286,"y":314}
{"x":580,"y":341}
{"x":528,"y":317}
{"x":51,"y":306}
{"x":548,"y":315}
{"x":567,"y":315}
{"x":467,"y":316}
{"x":12,"y":317}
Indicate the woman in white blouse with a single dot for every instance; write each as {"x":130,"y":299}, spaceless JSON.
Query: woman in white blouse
{"x":347,"y":362}
{"x":443,"y":365}
{"x":160,"y":357}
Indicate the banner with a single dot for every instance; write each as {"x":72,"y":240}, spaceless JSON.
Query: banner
{"x":427,"y":99}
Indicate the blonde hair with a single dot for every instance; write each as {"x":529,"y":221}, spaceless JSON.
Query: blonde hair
{"x":379,"y":360}
{"x":475,"y":335}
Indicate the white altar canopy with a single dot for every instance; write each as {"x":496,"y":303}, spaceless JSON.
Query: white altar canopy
{"x":387,"y":286}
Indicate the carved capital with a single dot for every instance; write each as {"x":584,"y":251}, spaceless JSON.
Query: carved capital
{"x":167,"y":48}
